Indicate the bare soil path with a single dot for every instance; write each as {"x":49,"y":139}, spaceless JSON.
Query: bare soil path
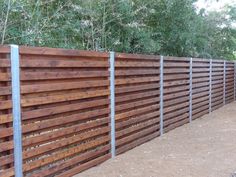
{"x":204,"y":148}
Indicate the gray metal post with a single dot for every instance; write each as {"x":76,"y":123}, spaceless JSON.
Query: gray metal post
{"x":234,"y":80}
{"x":16,"y":110}
{"x":161,"y":94}
{"x":190,"y":88}
{"x":224,"y":81}
{"x":210,"y":85}
{"x":112,"y":103}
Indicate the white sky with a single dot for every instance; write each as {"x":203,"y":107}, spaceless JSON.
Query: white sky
{"x":213,"y":4}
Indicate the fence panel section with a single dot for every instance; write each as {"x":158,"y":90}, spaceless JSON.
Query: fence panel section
{"x":217,"y":84}
{"x":176,"y":92}
{"x":229,"y":82}
{"x":137,"y":100}
{"x":5,"y":108}
{"x":201,"y":86}
{"x":65,"y":111}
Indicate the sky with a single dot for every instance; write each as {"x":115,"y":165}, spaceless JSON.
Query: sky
{"x":213,"y":4}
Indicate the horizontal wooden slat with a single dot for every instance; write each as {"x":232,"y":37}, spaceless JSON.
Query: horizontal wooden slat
{"x":175,"y":64}
{"x":135,"y":72}
{"x":176,"y":59}
{"x":175,"y":89}
{"x":61,"y":98}
{"x":134,"y":96}
{"x":175,"y":83}
{"x":135,"y":80}
{"x":61,"y":52}
{"x":175,"y":101}
{"x":5,"y":104}
{"x":62,"y":86}
{"x":53,"y":63}
{"x":175,"y":76}
{"x":136,"y":56}
{"x":173,"y":71}
{"x":195,"y":75}
{"x":136,"y":111}
{"x":143,"y":64}
{"x":132,"y":88}
{"x":4,"y":49}
{"x":62,"y":75}
{"x":175,"y":95}
{"x":200,"y":70}
{"x":138,"y":103}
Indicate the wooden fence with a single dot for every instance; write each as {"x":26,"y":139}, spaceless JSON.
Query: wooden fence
{"x":65,"y":103}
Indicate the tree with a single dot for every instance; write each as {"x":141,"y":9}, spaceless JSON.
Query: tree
{"x":168,"y":27}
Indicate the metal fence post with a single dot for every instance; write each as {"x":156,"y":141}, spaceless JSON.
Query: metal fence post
{"x":190,"y":88}
{"x":112,"y":103}
{"x":224,"y":81}
{"x":161,"y":94}
{"x":210,"y":85}
{"x":234,"y":80}
{"x":16,"y":110}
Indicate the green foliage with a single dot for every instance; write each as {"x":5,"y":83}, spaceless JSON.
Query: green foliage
{"x":168,"y":27}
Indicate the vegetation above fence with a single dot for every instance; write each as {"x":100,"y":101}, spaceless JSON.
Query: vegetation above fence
{"x":66,"y":104}
{"x":168,"y":27}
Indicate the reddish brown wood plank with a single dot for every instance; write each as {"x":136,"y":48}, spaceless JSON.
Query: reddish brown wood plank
{"x":61,"y":98}
{"x":137,"y":56}
{"x":135,"y":80}
{"x":61,"y":52}
{"x":133,"y":88}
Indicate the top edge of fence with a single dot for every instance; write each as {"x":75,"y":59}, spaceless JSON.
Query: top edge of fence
{"x":137,"y":56}
{"x":213,"y":59}
{"x":5,"y":49}
{"x":166,"y":58}
{"x":90,"y":53}
{"x":61,"y":52}
{"x":172,"y":58}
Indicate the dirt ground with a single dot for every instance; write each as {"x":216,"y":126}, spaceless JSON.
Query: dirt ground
{"x":205,"y":148}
